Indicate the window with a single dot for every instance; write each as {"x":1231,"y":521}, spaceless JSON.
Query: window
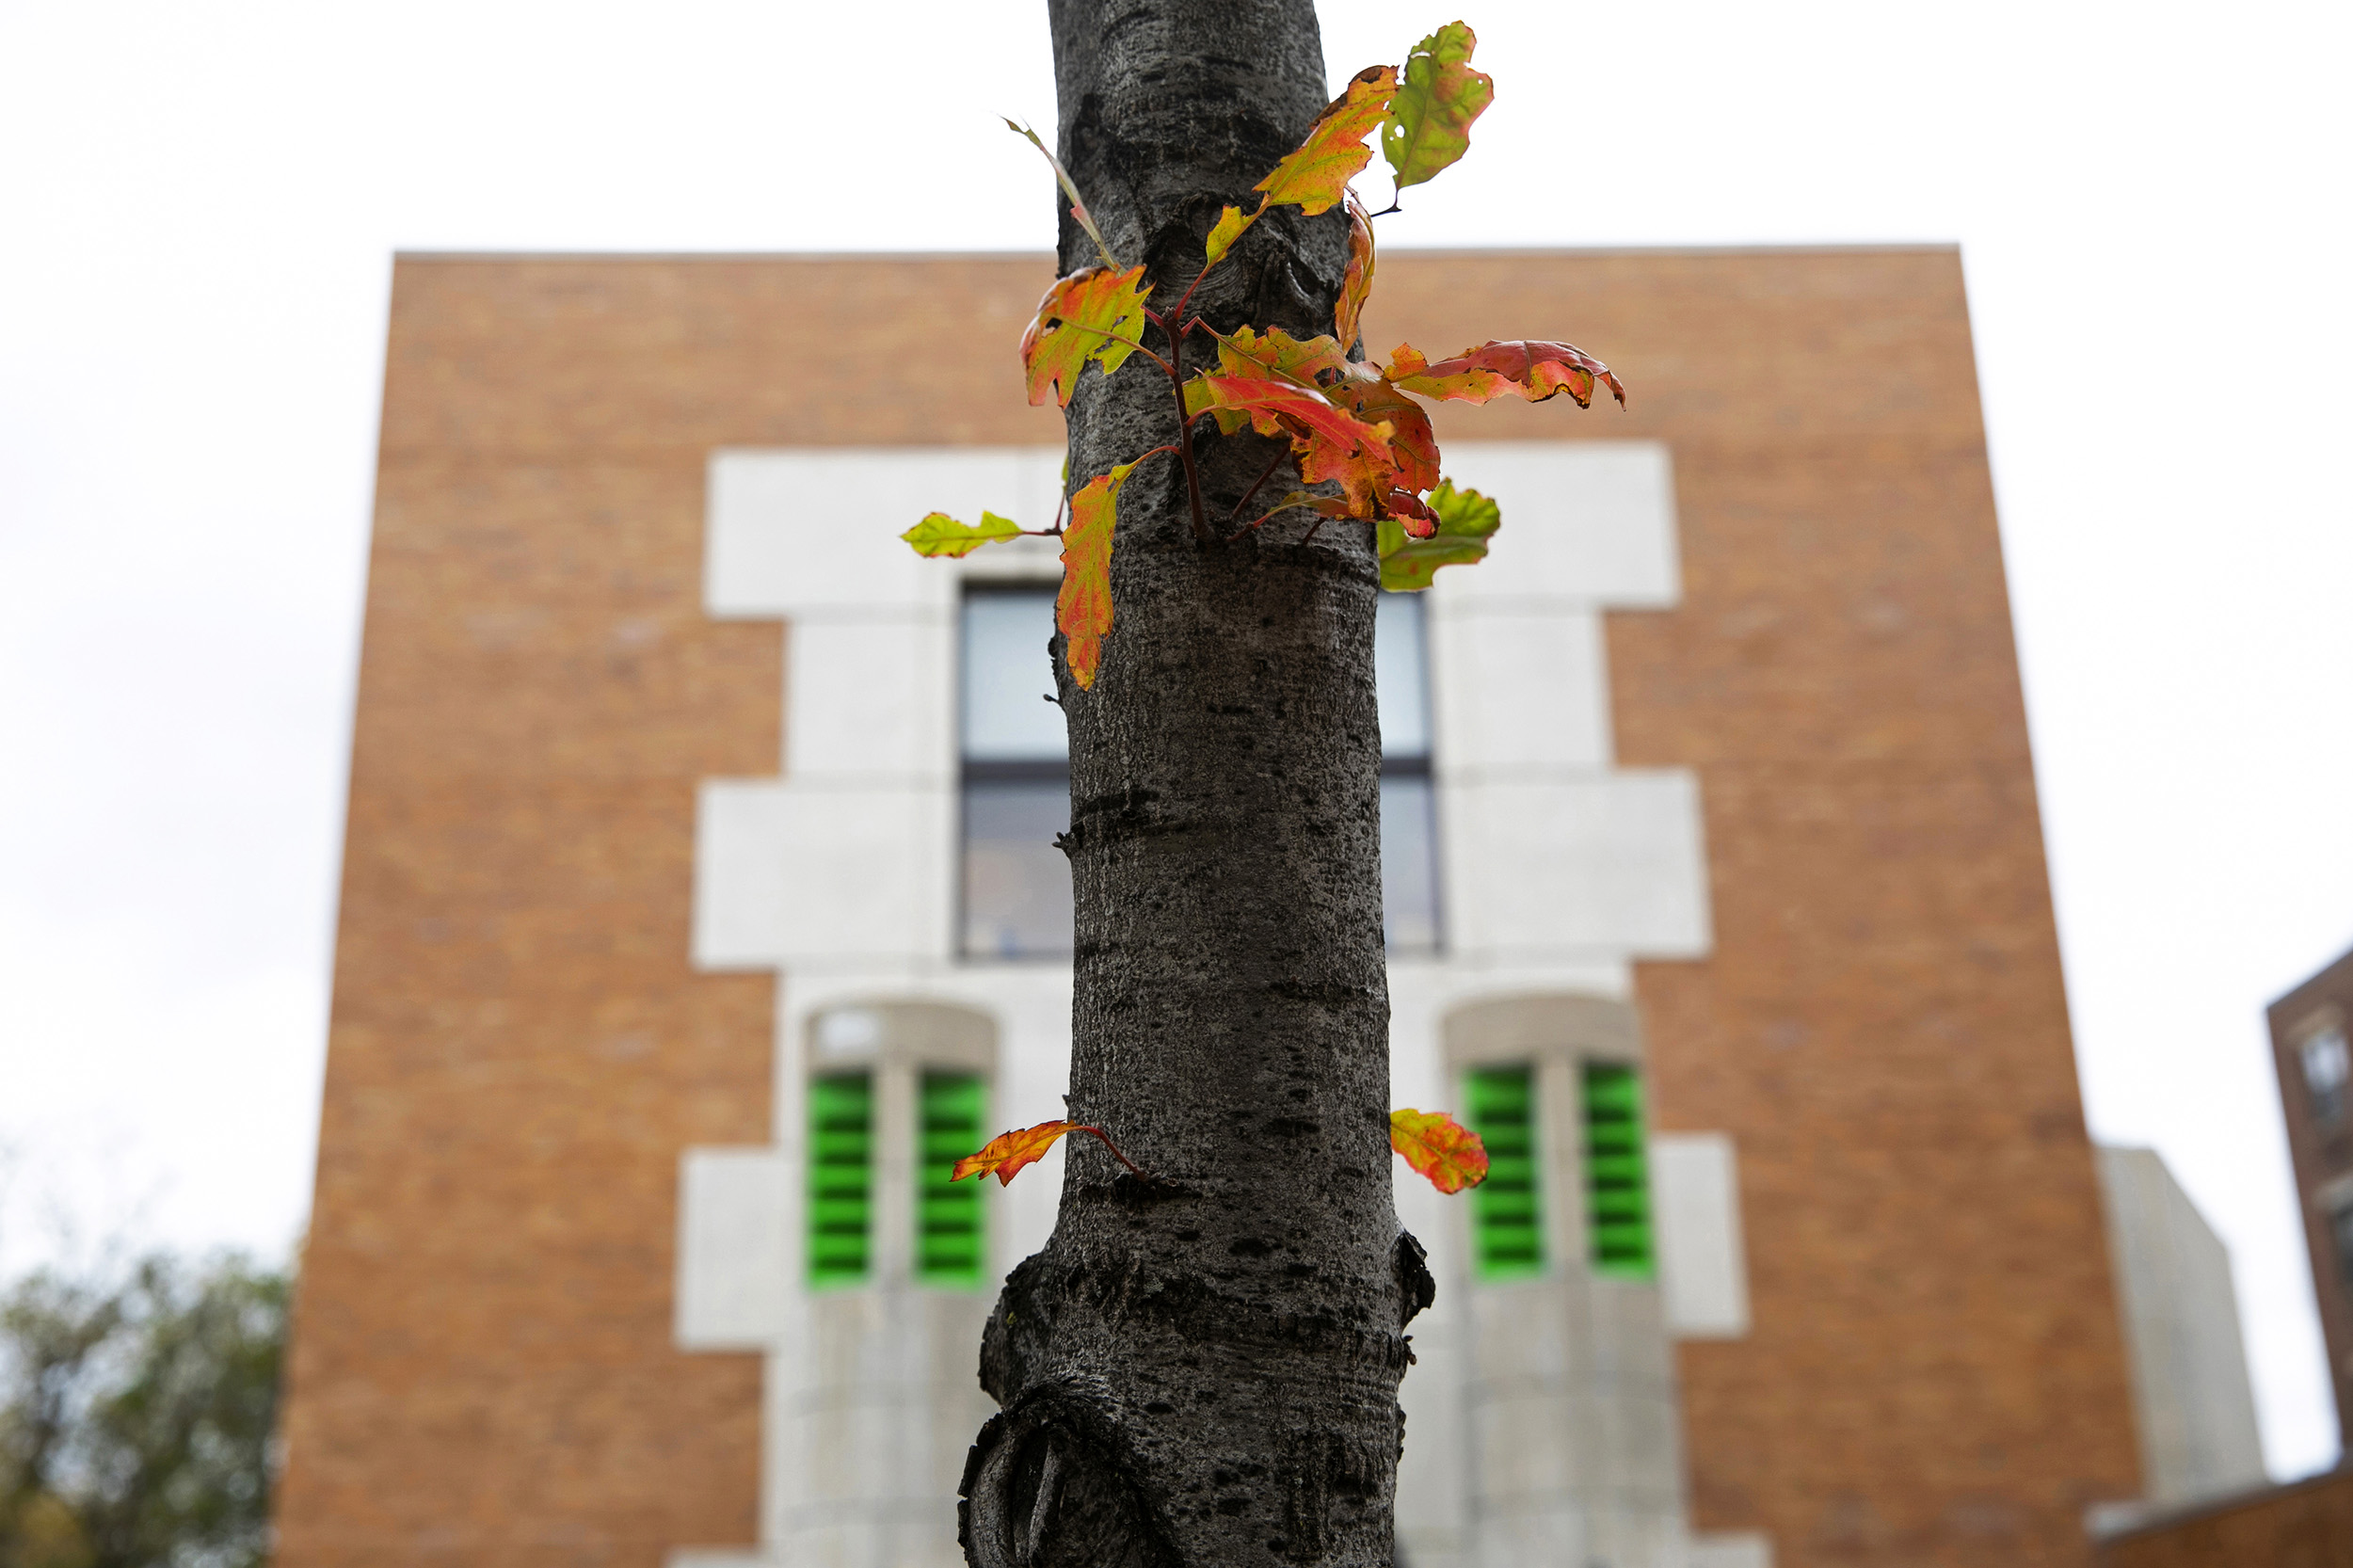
{"x":1507,"y":1231}
{"x":2326,"y":1068}
{"x":1617,"y":1174}
{"x":2341,"y":1232}
{"x":1409,"y":811}
{"x":841,"y":1176}
{"x":1016,"y":779}
{"x":950,"y":1247}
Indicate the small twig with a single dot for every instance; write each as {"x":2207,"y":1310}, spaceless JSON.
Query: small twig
{"x":1279,"y":453}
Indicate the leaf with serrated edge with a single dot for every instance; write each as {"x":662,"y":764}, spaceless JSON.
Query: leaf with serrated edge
{"x":1438,"y":1146}
{"x":1430,"y":119}
{"x":1008,"y":1154}
{"x":1083,"y":607}
{"x":1315,"y":361}
{"x":941,"y":534}
{"x":1466,"y":519}
{"x":1094,"y":314}
{"x":1524,"y":367}
{"x":1230,"y":223}
{"x":1313,"y":175}
{"x":1078,"y":202}
{"x":1357,"y":282}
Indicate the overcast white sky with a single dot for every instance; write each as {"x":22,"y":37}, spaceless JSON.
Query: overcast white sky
{"x":201,"y":203}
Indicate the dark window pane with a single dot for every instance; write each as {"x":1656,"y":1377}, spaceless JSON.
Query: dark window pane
{"x":1017,"y":884}
{"x":1409,"y":865}
{"x":2327,"y":1065}
{"x":2340,"y":1223}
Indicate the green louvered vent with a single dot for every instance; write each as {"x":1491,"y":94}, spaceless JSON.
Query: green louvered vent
{"x":1617,"y":1172}
{"x":1507,"y":1225}
{"x":950,"y":1244}
{"x":841,"y":1178}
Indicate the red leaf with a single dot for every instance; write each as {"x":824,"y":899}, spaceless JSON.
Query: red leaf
{"x":1282,"y":407}
{"x":1083,"y":607}
{"x":1410,"y":513}
{"x":1526,"y":368}
{"x":1313,"y":176}
{"x":1094,"y":313}
{"x":1438,"y":1146}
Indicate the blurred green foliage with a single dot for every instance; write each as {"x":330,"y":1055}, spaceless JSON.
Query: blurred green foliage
{"x":137,"y":1416}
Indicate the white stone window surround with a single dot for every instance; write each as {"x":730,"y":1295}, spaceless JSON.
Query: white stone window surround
{"x":1560,"y":869}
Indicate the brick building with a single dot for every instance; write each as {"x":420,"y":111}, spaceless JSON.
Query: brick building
{"x":2308,"y":1042}
{"x":692,"y":888}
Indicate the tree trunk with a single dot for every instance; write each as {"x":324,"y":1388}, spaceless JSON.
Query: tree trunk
{"x":1202,"y":1369}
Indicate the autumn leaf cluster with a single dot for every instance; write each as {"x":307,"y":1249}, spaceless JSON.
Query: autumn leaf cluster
{"x":1356,"y":432}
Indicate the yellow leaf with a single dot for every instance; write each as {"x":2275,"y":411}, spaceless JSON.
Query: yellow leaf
{"x":1230,"y":223}
{"x":1314,"y":176}
{"x":1440,"y":1147}
{"x":1083,"y":607}
{"x":941,"y":534}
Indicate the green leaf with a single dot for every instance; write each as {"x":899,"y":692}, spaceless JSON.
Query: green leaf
{"x":941,"y":534}
{"x":1466,"y":521}
{"x":1430,"y":119}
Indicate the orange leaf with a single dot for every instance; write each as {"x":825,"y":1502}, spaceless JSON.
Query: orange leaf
{"x":1006,"y":1154}
{"x":1357,"y":282}
{"x":1083,"y":607}
{"x":1313,"y":177}
{"x":1431,"y":120}
{"x":1094,"y":313}
{"x":1526,"y":368}
{"x":1438,"y":1146}
{"x":1009,"y":1153}
{"x":1413,"y":445}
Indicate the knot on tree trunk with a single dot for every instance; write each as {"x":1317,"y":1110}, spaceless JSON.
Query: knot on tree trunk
{"x":1046,"y":1485}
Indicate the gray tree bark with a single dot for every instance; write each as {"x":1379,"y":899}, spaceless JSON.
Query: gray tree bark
{"x":1203,"y":1368}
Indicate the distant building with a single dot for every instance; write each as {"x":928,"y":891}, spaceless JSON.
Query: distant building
{"x":698,"y":906}
{"x":2195,"y":1403}
{"x":2309,"y":1051}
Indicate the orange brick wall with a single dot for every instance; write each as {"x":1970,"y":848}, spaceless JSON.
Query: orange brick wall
{"x":483,"y":1370}
{"x":2305,"y":1525}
